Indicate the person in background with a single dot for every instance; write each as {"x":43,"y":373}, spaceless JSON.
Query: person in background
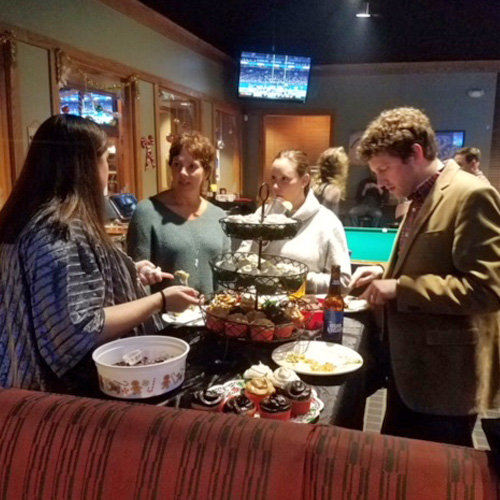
{"x":333,"y":167}
{"x":369,"y":198}
{"x":321,"y":240}
{"x":441,"y":291}
{"x":179,"y":229}
{"x":469,"y":159}
{"x":64,"y":286}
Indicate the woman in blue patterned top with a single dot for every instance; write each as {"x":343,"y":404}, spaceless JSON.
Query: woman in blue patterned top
{"x":64,"y":286}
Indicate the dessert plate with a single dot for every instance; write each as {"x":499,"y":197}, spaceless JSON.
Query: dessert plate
{"x":354,"y":304}
{"x":190,"y":317}
{"x":233,"y":388}
{"x":317,"y":358}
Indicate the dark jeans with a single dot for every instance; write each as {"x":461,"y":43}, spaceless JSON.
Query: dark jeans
{"x":399,"y":420}
{"x":365,"y":211}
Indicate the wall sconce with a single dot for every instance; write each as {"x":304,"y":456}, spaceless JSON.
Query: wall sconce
{"x":365,"y":12}
{"x":475,"y":93}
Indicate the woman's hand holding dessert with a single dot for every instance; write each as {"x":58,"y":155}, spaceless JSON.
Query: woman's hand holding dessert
{"x":149,"y":274}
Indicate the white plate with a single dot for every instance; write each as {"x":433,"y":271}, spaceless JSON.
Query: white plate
{"x":191,"y":316}
{"x":233,"y":388}
{"x":342,"y":359}
{"x":354,"y":304}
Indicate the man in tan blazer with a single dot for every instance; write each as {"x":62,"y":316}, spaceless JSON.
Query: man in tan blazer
{"x":440,"y":294}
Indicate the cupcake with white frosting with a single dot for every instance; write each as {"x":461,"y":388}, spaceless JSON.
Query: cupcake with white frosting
{"x":282,"y":376}
{"x":256,"y":371}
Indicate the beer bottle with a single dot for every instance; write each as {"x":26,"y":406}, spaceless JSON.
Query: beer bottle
{"x":333,"y":309}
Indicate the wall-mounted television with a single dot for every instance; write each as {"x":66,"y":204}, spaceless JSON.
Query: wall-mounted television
{"x":449,"y":141}
{"x":99,"y":107}
{"x":273,"y":76}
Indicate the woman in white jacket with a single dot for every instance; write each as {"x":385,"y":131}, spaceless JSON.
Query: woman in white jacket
{"x":321,"y":240}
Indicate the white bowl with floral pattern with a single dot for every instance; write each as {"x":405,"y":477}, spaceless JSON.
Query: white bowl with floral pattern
{"x":143,"y":380}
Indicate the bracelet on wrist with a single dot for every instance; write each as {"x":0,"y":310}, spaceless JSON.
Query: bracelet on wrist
{"x":163,"y":303}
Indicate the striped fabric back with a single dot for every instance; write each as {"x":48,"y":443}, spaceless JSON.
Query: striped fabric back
{"x":52,"y":295}
{"x":68,"y":448}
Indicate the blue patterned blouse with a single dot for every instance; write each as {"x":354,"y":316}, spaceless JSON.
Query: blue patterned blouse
{"x":52,"y":294}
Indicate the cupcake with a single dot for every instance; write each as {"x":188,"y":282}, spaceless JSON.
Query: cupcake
{"x":299,"y":394}
{"x":207,"y":400}
{"x":275,"y":407}
{"x":216,"y":318}
{"x":281,"y":376}
{"x":240,"y":405}
{"x":259,"y":388}
{"x":247,"y":302}
{"x":262,"y":330}
{"x":254,"y":315}
{"x":236,"y":325}
{"x":255,"y":371}
{"x":283,"y":331}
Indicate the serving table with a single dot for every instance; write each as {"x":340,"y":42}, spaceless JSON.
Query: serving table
{"x":214,"y":360}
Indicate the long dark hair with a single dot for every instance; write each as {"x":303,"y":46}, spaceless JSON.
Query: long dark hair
{"x":59,"y":180}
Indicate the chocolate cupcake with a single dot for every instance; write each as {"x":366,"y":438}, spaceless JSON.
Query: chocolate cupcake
{"x":240,"y":405}
{"x":299,"y":394}
{"x":275,"y":407}
{"x":206,"y":400}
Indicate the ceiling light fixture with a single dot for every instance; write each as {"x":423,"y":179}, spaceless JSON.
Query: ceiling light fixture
{"x":365,"y":12}
{"x":475,"y":93}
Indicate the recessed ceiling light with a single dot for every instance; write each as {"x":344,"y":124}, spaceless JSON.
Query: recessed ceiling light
{"x":475,"y":93}
{"x":365,"y":12}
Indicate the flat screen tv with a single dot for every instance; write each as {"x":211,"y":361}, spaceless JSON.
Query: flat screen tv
{"x":275,"y":77}
{"x":99,"y":107}
{"x":449,"y":141}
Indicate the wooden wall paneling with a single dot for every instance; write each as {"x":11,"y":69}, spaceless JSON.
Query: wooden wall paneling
{"x":12,"y":102}
{"x":158,"y":138}
{"x":309,"y":133}
{"x":134,"y":146}
{"x":54,"y":85}
{"x":6,"y":171}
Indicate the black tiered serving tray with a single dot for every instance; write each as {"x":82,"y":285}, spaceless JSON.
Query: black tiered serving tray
{"x":260,"y":230}
{"x":267,"y":284}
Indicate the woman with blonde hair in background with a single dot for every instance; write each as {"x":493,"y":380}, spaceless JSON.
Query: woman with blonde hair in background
{"x":330,"y":187}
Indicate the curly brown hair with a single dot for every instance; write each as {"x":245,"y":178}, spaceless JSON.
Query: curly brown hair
{"x":333,"y":167}
{"x":198,"y":146}
{"x":395,"y":131}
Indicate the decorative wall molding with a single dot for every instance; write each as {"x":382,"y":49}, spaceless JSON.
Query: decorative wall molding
{"x":7,"y":40}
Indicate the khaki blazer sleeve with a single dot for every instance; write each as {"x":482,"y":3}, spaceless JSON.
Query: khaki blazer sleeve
{"x":467,"y":281}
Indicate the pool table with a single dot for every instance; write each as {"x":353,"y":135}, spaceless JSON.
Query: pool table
{"x":370,"y":244}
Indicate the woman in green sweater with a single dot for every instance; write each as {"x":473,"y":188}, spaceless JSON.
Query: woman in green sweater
{"x":179,"y":229}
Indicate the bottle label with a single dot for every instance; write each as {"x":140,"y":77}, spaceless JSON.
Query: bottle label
{"x":333,"y":326}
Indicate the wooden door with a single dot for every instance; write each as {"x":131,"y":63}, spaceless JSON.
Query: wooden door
{"x":309,"y":133}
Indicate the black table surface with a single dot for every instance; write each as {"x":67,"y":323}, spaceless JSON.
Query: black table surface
{"x":214,"y":360}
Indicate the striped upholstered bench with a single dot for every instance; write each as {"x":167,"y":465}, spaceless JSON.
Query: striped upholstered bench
{"x":63,"y":447}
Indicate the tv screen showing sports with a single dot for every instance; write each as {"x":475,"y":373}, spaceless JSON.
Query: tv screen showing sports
{"x":272,"y":76}
{"x":449,"y":141}
{"x":96,"y":106}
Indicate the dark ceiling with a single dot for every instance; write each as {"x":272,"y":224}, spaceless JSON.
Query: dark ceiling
{"x":330,"y":33}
